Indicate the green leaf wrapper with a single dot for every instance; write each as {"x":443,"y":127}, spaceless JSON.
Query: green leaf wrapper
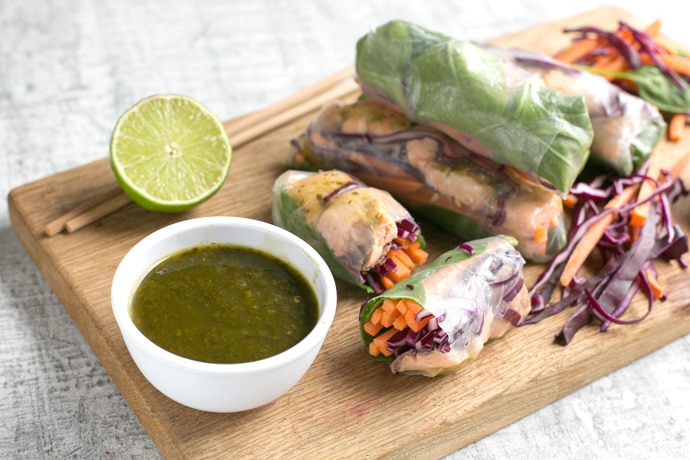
{"x":626,"y":128}
{"x":491,"y":106}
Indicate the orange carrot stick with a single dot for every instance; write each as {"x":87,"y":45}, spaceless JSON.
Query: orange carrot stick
{"x":638,"y":216}
{"x":677,"y":63}
{"x":371,"y":328}
{"x":657,"y":290}
{"x":676,"y":127}
{"x":379,"y":344}
{"x":589,"y":240}
{"x":570,"y":201}
{"x":577,"y":50}
{"x":402,"y":256}
{"x":391,"y":311}
{"x":540,"y":235}
{"x":401,"y":271}
{"x":387,"y":282}
{"x":400,"y":323}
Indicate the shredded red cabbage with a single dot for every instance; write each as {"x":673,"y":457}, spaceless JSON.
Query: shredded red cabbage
{"x":431,"y":337}
{"x":467,"y":248}
{"x":342,"y":189}
{"x":632,"y":56}
{"x":629,"y":53}
{"x":407,"y":229}
{"x":608,"y":294}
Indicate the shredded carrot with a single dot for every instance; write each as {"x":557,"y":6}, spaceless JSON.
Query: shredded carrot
{"x":401,"y":271}
{"x":555,"y":220}
{"x":402,"y":256}
{"x":638,"y":216}
{"x":616,"y":64}
{"x":634,"y":233}
{"x":406,"y":256}
{"x":390,"y":313}
{"x":405,"y":313}
{"x":379,"y":344}
{"x":400,"y":323}
{"x":401,"y":307}
{"x":372,"y":329}
{"x":387,"y":282}
{"x":376,"y":316}
{"x":414,"y":250}
{"x":677,"y":63}
{"x":639,"y":191}
{"x":540,"y":235}
{"x":657,"y":290}
{"x":676,"y":127}
{"x":570,"y":201}
{"x":589,"y":240}
{"x":577,"y":50}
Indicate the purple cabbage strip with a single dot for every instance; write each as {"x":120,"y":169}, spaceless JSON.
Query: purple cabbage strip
{"x":342,"y":189}
{"x":608,"y":294}
{"x":629,"y":53}
{"x":408,"y":229}
{"x":648,"y":46}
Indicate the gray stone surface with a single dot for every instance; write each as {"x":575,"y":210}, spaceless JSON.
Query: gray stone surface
{"x":68,"y":69}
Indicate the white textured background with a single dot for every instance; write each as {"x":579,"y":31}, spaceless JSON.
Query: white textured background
{"x":68,"y":69}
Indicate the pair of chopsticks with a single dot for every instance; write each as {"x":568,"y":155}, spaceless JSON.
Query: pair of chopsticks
{"x":241,"y":131}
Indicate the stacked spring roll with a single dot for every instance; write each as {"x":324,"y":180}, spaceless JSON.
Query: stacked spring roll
{"x":365,"y":236}
{"x":434,"y":176}
{"x":489,"y":105}
{"x":442,"y":316}
{"x":626,"y":127}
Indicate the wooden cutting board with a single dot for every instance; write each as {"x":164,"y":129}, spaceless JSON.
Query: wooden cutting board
{"x":346,"y":405}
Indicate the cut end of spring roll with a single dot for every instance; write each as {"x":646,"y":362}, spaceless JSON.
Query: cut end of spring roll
{"x":365,"y":236}
{"x":441,"y":317}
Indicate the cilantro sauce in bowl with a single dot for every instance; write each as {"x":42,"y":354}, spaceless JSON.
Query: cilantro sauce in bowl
{"x":206,"y":353}
{"x":224,"y":304}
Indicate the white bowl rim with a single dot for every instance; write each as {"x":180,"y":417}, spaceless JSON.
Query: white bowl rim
{"x":310,"y":341}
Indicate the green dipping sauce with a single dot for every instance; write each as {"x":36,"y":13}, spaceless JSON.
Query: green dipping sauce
{"x":224,"y":304}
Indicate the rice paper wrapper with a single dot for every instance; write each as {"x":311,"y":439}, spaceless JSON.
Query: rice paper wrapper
{"x":435,"y":177}
{"x":351,"y":225}
{"x":492,"y":107}
{"x":626,"y":127}
{"x":476,"y":292}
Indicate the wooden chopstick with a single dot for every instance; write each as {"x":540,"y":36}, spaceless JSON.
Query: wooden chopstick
{"x":241,"y":130}
{"x":94,"y":213}
{"x":57,"y":225}
{"x":239,"y":124}
{"x":242,"y":137}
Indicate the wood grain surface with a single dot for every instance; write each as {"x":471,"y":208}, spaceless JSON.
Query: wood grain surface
{"x":346,"y":405}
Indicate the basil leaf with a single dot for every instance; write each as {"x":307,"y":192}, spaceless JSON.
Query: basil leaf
{"x":657,"y":88}
{"x":654,"y":87}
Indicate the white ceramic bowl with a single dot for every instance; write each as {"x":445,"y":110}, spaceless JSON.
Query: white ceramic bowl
{"x":222,"y":387}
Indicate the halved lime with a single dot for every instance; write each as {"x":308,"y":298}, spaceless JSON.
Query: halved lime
{"x":170,"y":153}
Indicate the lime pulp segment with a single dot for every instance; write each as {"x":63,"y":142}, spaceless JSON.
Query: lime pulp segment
{"x":170,"y":153}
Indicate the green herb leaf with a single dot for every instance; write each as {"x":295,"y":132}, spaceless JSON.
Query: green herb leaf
{"x":655,"y":87}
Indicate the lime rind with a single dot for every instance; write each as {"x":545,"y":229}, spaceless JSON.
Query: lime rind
{"x":169,"y":153}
